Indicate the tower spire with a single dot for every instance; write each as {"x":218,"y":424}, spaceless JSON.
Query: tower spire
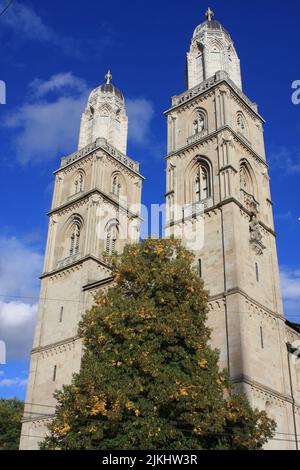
{"x":108,"y":77}
{"x":209,"y":14}
{"x":204,"y":61}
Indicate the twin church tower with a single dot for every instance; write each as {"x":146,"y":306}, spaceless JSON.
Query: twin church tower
{"x":216,"y":159}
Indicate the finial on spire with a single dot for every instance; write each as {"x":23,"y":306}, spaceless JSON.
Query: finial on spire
{"x":209,"y":14}
{"x":108,"y":77}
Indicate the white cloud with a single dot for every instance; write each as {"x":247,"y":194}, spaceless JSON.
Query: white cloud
{"x":59,"y":82}
{"x":48,"y":127}
{"x":17,"y":318}
{"x":140,"y":114}
{"x":16,"y":382}
{"x":24,"y":19}
{"x":48,"y":123}
{"x":15,"y":258}
{"x":288,"y":160}
{"x":25,"y":23}
{"x":290,"y":283}
{"x":17,"y":321}
{"x":284,"y":216}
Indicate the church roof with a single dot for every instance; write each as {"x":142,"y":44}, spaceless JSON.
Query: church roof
{"x":108,"y":88}
{"x":211,"y":26}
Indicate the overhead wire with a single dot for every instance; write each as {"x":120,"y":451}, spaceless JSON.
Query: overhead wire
{"x":48,"y":299}
{"x":93,"y":419}
{"x":6,"y":7}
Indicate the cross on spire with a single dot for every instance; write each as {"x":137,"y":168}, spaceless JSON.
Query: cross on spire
{"x":108,"y":77}
{"x":209,"y":14}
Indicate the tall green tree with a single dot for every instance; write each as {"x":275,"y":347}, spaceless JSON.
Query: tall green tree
{"x":11,"y":412}
{"x":149,"y":379}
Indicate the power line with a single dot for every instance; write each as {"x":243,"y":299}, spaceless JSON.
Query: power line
{"x":39,"y":298}
{"x":212,"y":433}
{"x":94,"y":420}
{"x":6,"y":8}
{"x":45,"y":299}
{"x":190,"y":437}
{"x":39,"y":404}
{"x":280,"y":435}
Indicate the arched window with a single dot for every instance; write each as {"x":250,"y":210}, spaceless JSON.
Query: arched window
{"x":75,"y":240}
{"x":116,"y":186}
{"x":111,"y":238}
{"x":199,"y":122}
{"x":90,"y":116}
{"x":198,"y":182}
{"x":202,"y":183}
{"x":245,"y":181}
{"x":79,"y":182}
{"x":71,"y":239}
{"x":241,"y":124}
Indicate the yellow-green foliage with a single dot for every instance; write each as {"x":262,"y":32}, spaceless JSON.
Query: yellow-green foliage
{"x":148,"y":378}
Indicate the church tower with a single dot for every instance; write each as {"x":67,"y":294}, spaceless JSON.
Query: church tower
{"x":95,"y":209}
{"x":217,"y":174}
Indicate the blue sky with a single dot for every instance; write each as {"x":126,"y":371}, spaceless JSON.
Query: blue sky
{"x":53,"y":53}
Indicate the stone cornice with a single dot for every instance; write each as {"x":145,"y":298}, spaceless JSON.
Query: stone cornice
{"x":263,"y":388}
{"x":98,"y":284}
{"x":100,"y":144}
{"x":51,"y":346}
{"x":213,"y":135}
{"x":228,"y":167}
{"x":219,"y":206}
{"x":85,"y":197}
{"x":221,"y":78}
{"x":238,"y":290}
{"x":76,"y":263}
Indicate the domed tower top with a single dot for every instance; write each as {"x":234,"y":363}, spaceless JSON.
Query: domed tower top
{"x":105,"y":116}
{"x":107,"y":89}
{"x":212,"y":50}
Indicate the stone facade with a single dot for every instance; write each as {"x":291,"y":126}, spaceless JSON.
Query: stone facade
{"x":216,"y":158}
{"x":217,"y":172}
{"x":211,"y":50}
{"x":105,"y":116}
{"x":95,"y":189}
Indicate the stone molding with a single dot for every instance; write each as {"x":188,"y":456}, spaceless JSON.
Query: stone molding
{"x":56,"y":274}
{"x":87,"y":198}
{"x":220,"y":78}
{"x":254,"y":306}
{"x":183,"y":152}
{"x":54,"y":349}
{"x":263,"y":390}
{"x":266,"y":230}
{"x":109,"y":149}
{"x":98,"y":284}
{"x":77,"y":165}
